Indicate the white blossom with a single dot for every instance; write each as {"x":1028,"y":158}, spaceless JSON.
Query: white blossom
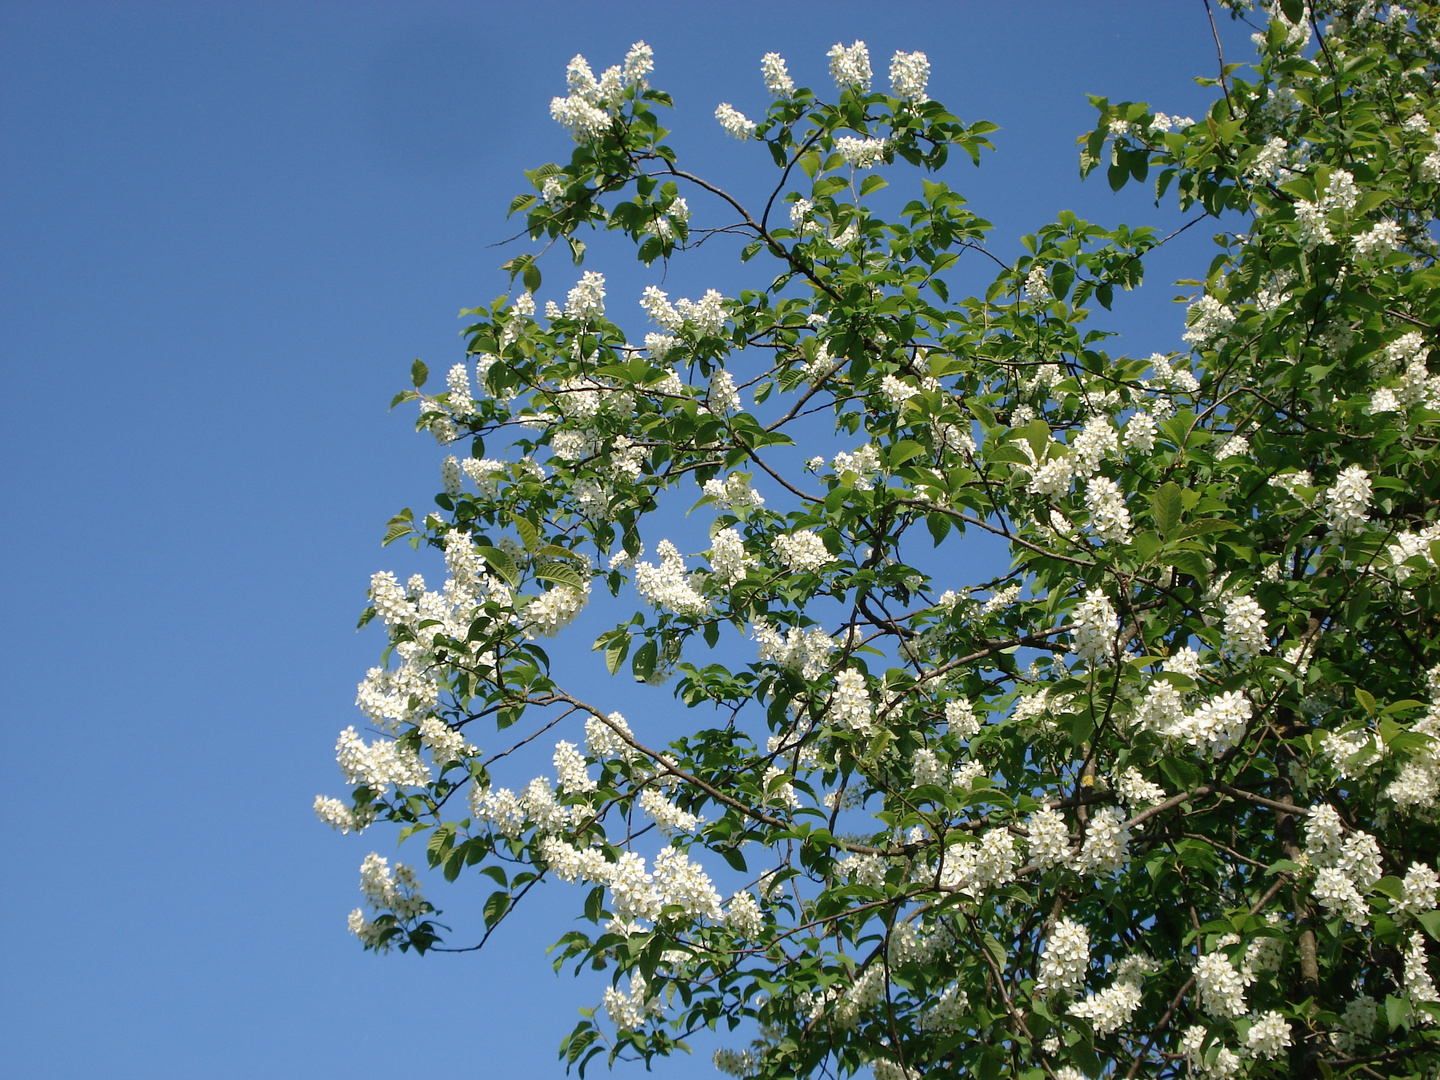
{"x":1094,"y":636}
{"x":1419,"y":889}
{"x":860,"y":153}
{"x":1109,"y":517}
{"x":850,"y":67}
{"x":734,"y":121}
{"x":1049,"y":839}
{"x":1107,"y":844}
{"x":587,"y":299}
{"x":1244,"y":628}
{"x":1268,"y":1036}
{"x":1065,"y":959}
{"x":803,"y":552}
{"x":850,"y":703}
{"x":777,"y":78}
{"x":1222,"y":988}
{"x":667,"y":585}
{"x":909,"y":72}
{"x":1347,"y":501}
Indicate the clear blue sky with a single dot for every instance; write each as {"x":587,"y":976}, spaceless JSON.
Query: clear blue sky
{"x":225,"y":231}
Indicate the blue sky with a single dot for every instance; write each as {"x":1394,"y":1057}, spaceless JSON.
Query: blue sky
{"x":225,"y":231}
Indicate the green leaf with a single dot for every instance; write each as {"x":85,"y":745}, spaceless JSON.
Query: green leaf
{"x":502,"y":564}
{"x":495,"y":908}
{"x":1167,"y":507}
{"x":529,"y":535}
{"x":873,"y":183}
{"x":1366,"y":699}
{"x":1430,"y":920}
{"x":561,"y":574}
{"x":419,"y":373}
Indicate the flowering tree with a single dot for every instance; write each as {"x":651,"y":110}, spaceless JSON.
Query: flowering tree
{"x":1157,"y":801}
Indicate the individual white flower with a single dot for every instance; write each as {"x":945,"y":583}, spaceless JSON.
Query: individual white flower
{"x":1347,"y":501}
{"x":587,"y":299}
{"x":734,"y":121}
{"x":803,"y":552}
{"x":1268,"y":1037}
{"x":777,"y":78}
{"x":1065,"y":959}
{"x":850,"y":67}
{"x":909,"y":72}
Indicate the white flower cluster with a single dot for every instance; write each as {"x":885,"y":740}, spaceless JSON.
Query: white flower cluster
{"x":587,"y":299}
{"x":728,"y":560}
{"x":777,"y":78}
{"x":1347,"y":501}
{"x":1094,"y":634}
{"x":1418,"y":785}
{"x":805,"y":650}
{"x":1065,"y":959}
{"x":1053,"y":473}
{"x":1313,"y":218}
{"x":555,"y":609}
{"x":1109,"y":518}
{"x":1048,"y":838}
{"x":1418,"y":892}
{"x":733,"y":493}
{"x":975,"y":867}
{"x":961,"y":719}
{"x":1418,"y":982}
{"x":668,"y":586}
{"x":723,"y":397}
{"x":1244,"y":628}
{"x":705,"y":316}
{"x":668,"y":817}
{"x":379,"y":765}
{"x":630,"y":1011}
{"x":1207,"y":320}
{"x":1140,"y":432}
{"x":734,"y":121}
{"x":587,"y":111}
{"x":1107,"y":844}
{"x":1110,"y":1009}
{"x":802,"y":552}
{"x":608,"y":740}
{"x":860,"y":153}
{"x":396,"y":892}
{"x":1135,"y":791}
{"x":1347,"y":868}
{"x":850,"y":703}
{"x":1222,"y":988}
{"x":337,"y":815}
{"x":863,"y":465}
{"x":571,"y":773}
{"x":909,"y":72}
{"x":850,"y":67}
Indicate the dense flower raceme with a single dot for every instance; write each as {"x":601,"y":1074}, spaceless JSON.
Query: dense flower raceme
{"x":1155,"y":795}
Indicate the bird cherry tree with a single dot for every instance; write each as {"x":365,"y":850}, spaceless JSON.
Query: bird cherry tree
{"x":1158,"y":800}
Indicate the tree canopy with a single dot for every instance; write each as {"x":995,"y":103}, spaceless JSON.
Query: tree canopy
{"x":1157,"y":801}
